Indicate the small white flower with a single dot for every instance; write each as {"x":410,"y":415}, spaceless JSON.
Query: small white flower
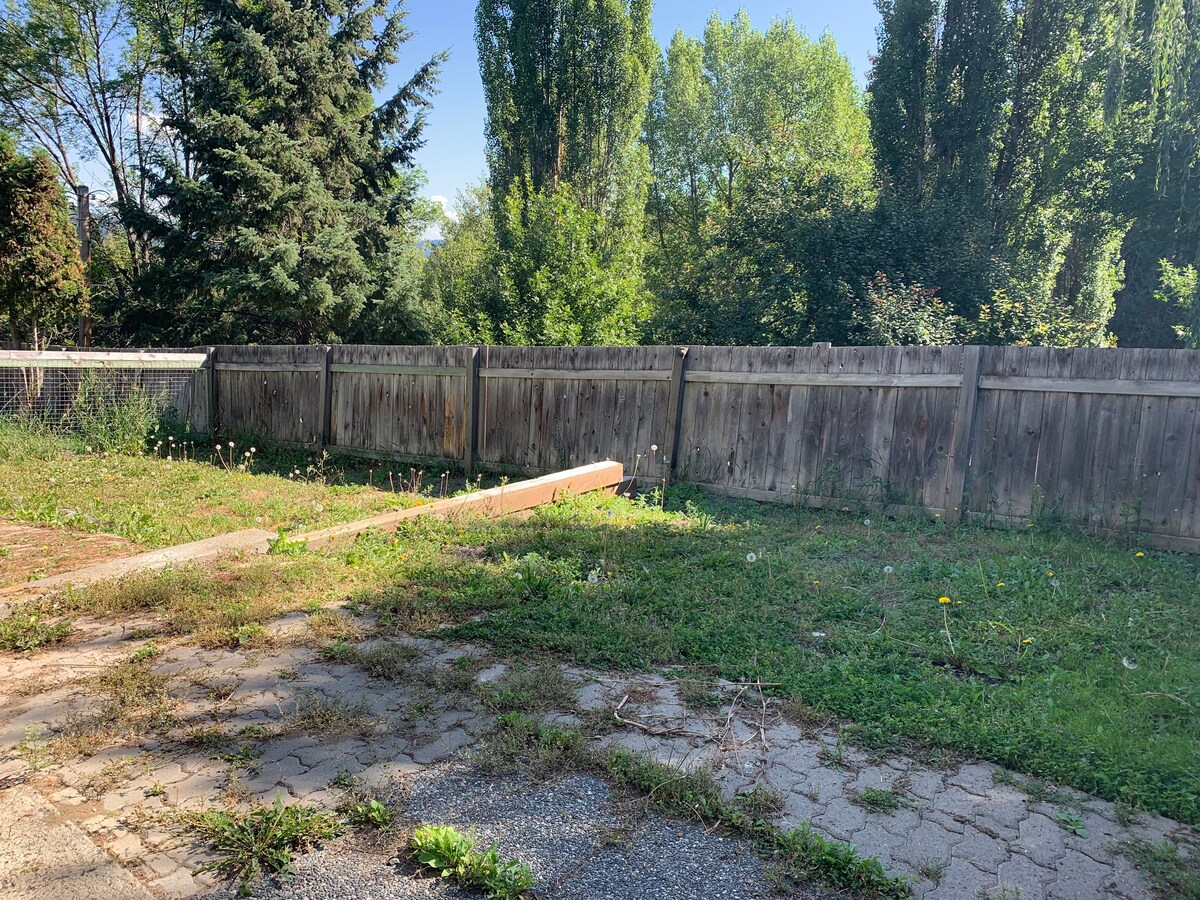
{"x":252,"y":450}
{"x":888,"y":570}
{"x":751,"y":557}
{"x":1128,"y":663}
{"x":654,"y":448}
{"x":87,"y":449}
{"x":867,"y":522}
{"x":593,"y":578}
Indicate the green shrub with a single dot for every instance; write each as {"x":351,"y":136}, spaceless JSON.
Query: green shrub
{"x":23,"y":632}
{"x":109,"y":421}
{"x":453,"y":855}
{"x":262,"y":841}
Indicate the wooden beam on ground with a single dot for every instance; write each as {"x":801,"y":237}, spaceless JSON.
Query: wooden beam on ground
{"x":497,"y":501}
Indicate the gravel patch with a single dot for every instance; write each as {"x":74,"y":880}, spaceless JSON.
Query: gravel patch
{"x":581,"y":843}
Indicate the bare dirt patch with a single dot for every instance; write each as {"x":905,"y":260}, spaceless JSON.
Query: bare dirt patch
{"x":29,"y":551}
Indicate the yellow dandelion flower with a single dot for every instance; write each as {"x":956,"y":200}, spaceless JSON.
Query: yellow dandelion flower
{"x":999,"y":584}
{"x":816,"y":581}
{"x":1139,"y":554}
{"x":1027,"y":641}
{"x":1049,"y":574}
{"x":943,"y":599}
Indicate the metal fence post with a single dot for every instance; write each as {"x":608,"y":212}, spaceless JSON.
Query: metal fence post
{"x":675,"y":408}
{"x":471,"y":438}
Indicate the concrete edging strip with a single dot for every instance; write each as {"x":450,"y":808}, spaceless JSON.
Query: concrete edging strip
{"x":497,"y":501}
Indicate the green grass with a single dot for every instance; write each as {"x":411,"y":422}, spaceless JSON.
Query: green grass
{"x":51,"y":479}
{"x":1087,"y":676}
{"x":1043,"y":625}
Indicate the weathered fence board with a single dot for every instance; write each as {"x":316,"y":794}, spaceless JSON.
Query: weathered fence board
{"x":1106,"y":438}
{"x":275,"y":392}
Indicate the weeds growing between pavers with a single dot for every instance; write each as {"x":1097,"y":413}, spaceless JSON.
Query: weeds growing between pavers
{"x":261,"y":841}
{"x":23,"y":631}
{"x":797,"y":856}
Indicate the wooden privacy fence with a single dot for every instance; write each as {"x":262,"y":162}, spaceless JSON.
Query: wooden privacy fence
{"x":1106,"y":438}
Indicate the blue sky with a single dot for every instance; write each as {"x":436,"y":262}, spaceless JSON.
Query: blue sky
{"x":453,"y":155}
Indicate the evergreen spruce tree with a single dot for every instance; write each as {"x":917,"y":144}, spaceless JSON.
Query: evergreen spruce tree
{"x":278,"y":227}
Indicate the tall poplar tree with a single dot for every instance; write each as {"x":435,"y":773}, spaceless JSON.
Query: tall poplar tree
{"x":1154,"y":96}
{"x":988,"y":119}
{"x":566,"y":83}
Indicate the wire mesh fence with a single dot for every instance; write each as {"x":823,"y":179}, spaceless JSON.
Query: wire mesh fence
{"x":68,"y":389}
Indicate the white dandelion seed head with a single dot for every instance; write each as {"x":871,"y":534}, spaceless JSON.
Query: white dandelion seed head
{"x":1128,"y":663}
{"x":593,"y":578}
{"x":518,"y":576}
{"x":867,"y":522}
{"x":818,"y":634}
{"x":751,"y":557}
{"x":888,"y":570}
{"x":231,"y":444}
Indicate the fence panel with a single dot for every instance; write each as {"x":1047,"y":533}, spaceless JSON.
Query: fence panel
{"x":50,"y":384}
{"x":273,"y":392}
{"x":822,"y":424}
{"x":1106,"y":438}
{"x":408,"y":402}
{"x":548,"y":408}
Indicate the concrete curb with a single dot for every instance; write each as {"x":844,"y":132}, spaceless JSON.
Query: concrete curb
{"x":498,"y":501}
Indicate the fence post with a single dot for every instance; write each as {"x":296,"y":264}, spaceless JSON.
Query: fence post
{"x":214,"y":423}
{"x":326,"y":387}
{"x":675,"y":408}
{"x":964,"y":433}
{"x":471,"y":442}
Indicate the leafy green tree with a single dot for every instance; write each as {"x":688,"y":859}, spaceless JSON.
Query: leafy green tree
{"x":1179,"y":290}
{"x":87,"y":80}
{"x":991,"y":116}
{"x":42,"y":286}
{"x":760,"y":149}
{"x":557,"y":285}
{"x":1154,"y":99}
{"x":280,"y":227}
{"x":566,"y":83}
{"x":460,"y":276}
